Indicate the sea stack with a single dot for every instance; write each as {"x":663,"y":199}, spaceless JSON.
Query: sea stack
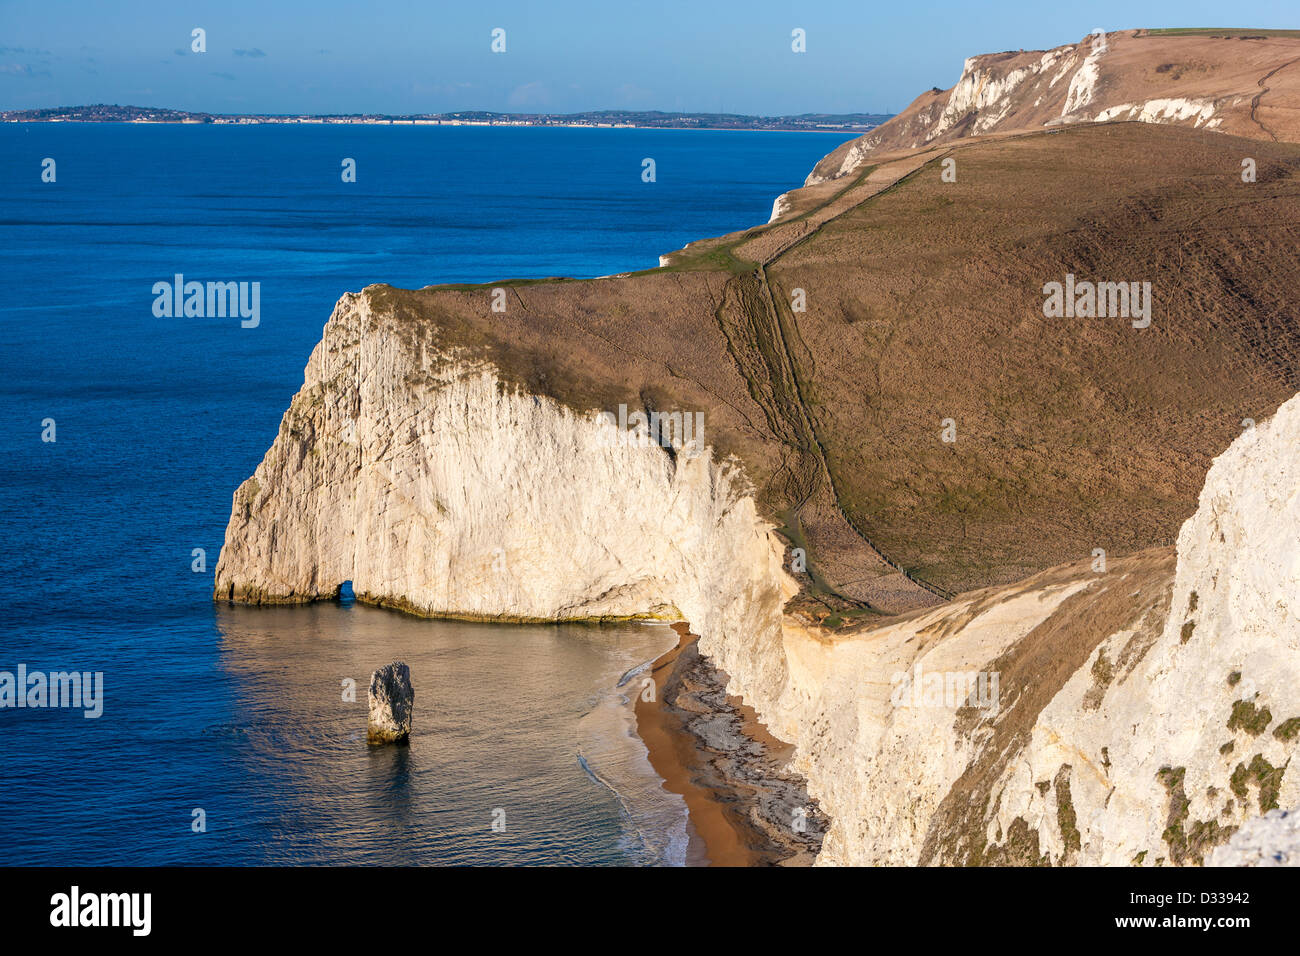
{"x":391,"y":700}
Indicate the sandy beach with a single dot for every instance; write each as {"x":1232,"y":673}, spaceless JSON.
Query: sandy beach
{"x":745,"y":808}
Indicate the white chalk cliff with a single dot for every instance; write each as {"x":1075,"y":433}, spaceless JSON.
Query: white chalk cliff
{"x":433,"y":487}
{"x":1237,"y":86}
{"x":1270,"y":840}
{"x":1142,"y":715}
{"x":1176,"y":728}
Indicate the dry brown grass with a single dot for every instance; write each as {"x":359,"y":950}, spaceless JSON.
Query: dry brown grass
{"x":925,"y":303}
{"x":1133,"y":593}
{"x":1252,"y":77}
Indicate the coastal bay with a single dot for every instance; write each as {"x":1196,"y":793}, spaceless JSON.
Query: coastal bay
{"x":159,"y":418}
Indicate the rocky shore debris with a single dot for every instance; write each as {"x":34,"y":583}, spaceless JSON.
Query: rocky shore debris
{"x":392,"y":698}
{"x":747,"y":770}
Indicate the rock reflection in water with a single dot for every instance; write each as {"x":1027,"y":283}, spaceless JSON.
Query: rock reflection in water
{"x":497,"y":732}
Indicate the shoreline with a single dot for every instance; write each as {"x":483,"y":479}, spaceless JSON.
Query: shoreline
{"x":849,"y":133}
{"x":744,"y":807}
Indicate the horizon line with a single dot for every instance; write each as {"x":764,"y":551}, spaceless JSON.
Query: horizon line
{"x":450,"y":114}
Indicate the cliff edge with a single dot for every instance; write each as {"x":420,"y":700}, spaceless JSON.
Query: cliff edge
{"x":923,"y":522}
{"x":1242,"y":82}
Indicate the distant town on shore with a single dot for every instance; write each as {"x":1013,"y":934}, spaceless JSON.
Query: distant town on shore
{"x":101,"y":113}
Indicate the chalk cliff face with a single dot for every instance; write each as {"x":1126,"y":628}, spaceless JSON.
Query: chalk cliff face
{"x":1247,"y":86}
{"x":1101,"y":731}
{"x":448,"y":458}
{"x":433,"y":487}
{"x":1143,"y":716}
{"x":1270,"y":840}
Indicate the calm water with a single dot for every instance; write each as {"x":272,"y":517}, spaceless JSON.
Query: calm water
{"x":239,"y":712}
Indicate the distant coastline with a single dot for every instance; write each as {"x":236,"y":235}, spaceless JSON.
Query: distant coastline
{"x":598,"y":119}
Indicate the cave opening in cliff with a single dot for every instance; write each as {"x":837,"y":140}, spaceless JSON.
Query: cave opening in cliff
{"x":346,"y":595}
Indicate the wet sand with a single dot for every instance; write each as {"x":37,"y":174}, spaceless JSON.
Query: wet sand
{"x":745,"y":808}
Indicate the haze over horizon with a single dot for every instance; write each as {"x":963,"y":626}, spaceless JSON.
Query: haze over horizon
{"x":405,"y":57}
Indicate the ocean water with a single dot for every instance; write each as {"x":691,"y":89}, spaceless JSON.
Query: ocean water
{"x":239,"y":712}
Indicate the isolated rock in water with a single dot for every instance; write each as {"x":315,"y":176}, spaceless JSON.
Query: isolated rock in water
{"x":1270,"y":840}
{"x":391,"y":700}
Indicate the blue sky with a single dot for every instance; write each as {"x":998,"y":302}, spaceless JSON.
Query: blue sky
{"x":561,"y":55}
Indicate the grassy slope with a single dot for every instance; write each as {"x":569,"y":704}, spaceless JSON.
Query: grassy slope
{"x":924,"y":303}
{"x":1219,"y":32}
{"x":1073,"y":434}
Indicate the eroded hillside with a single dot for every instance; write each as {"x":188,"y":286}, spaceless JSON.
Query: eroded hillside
{"x":923,"y":321}
{"x":1243,"y":82}
{"x":918,"y":450}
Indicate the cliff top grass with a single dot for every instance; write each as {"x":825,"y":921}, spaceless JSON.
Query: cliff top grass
{"x":1219,"y":32}
{"x":924,"y":304}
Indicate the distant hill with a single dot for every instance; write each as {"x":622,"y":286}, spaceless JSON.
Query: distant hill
{"x":1243,"y":82}
{"x":104,"y":113}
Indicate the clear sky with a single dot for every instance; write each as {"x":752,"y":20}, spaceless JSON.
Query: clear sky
{"x":409,"y":56}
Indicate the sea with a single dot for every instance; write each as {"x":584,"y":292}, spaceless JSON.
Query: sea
{"x":226,"y":735}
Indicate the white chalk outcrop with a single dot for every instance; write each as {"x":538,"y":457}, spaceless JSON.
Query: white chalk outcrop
{"x":988,"y":92}
{"x":1199,"y":112}
{"x":1140,"y":717}
{"x":982,"y":92}
{"x":1083,"y":84}
{"x":1178,"y":726}
{"x":1270,"y":840}
{"x":780,"y":206}
{"x":433,"y":487}
{"x":1125,"y":76}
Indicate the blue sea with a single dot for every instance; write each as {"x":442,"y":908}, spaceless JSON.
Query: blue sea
{"x":226,"y":735}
